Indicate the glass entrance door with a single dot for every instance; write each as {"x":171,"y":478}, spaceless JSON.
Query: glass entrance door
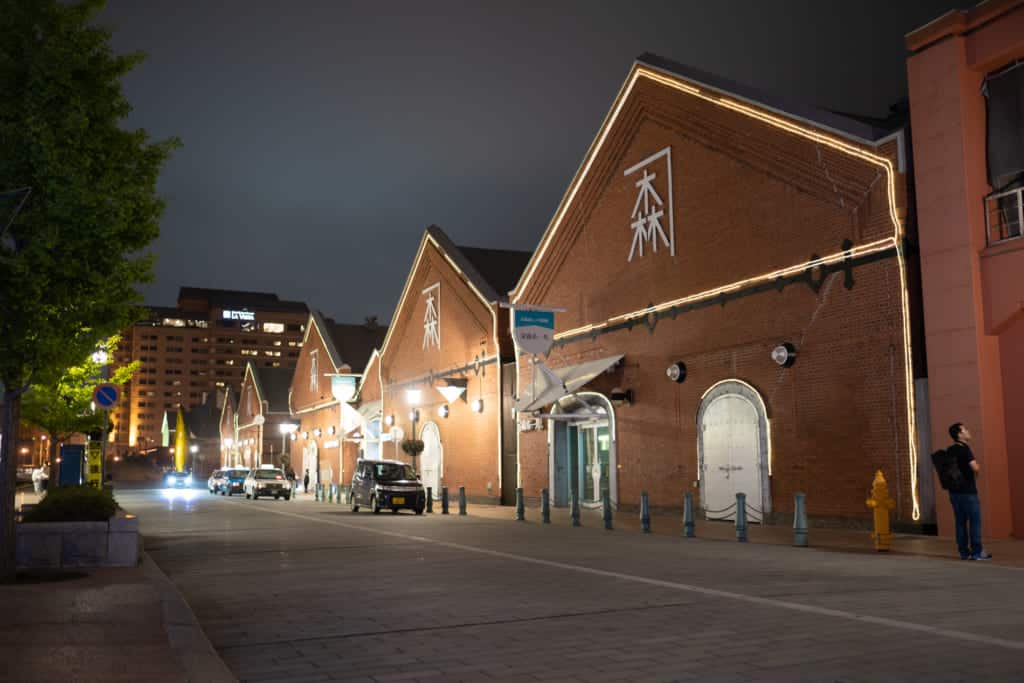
{"x":591,"y":470}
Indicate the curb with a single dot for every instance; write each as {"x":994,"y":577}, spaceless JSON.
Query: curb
{"x":188,"y":641}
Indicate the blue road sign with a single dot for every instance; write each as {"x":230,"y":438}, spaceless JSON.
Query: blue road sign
{"x":105,"y":396}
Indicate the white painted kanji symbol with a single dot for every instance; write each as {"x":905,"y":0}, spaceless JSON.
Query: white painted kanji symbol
{"x":314,"y":368}
{"x":649,"y":209}
{"x":432,"y":317}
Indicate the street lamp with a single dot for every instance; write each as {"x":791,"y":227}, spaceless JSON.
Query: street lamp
{"x":287,"y":429}
{"x":193,"y":449}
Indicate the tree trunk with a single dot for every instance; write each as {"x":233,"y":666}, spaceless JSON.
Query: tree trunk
{"x":8,"y":484}
{"x":52,"y":466}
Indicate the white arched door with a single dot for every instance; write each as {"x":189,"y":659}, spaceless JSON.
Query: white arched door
{"x":432,"y":458}
{"x":732,"y":447}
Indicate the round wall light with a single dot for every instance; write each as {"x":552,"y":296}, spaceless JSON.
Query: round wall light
{"x":331,"y":430}
{"x":442,"y":410}
{"x":784,"y":354}
{"x":305,"y":435}
{"x":389,"y":420}
{"x":676,"y":372}
{"x":477,"y":405}
{"x":317,"y":432}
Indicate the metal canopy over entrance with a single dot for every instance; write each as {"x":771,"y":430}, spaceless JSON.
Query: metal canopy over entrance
{"x":550,"y":385}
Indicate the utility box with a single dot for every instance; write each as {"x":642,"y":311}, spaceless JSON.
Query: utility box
{"x":72,"y":462}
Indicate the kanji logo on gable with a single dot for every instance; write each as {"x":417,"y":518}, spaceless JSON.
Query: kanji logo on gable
{"x":432,"y":317}
{"x":647,"y":220}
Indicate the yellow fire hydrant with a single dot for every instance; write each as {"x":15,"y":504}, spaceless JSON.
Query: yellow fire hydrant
{"x":881,"y":503}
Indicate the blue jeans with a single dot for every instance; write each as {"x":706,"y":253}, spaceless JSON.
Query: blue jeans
{"x":967,"y":516}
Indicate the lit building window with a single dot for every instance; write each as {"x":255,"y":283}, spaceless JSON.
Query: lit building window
{"x":174,"y":322}
{"x":273,"y":328}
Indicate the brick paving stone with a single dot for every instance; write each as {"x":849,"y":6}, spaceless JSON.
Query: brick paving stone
{"x":567,"y":604}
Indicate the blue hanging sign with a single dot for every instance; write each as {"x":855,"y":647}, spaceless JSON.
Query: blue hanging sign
{"x":534,"y":330}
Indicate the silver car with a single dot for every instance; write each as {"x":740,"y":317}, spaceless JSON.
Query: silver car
{"x":267,"y":481}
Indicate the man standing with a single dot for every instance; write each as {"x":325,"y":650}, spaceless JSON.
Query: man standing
{"x":966,"y":507}
{"x":305,"y":482}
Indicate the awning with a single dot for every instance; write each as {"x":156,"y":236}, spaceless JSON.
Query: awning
{"x":549,"y":385}
{"x":371,"y":410}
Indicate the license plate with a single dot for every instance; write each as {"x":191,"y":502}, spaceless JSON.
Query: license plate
{"x":398,"y":500}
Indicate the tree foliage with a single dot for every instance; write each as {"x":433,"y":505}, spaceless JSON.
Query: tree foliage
{"x":72,"y":259}
{"x":64,"y":407}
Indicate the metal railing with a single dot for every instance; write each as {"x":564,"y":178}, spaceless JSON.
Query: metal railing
{"x":1004,"y":216}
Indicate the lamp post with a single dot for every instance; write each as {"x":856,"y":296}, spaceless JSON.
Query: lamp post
{"x":193,"y":449}
{"x":287,"y":429}
{"x":100,"y":358}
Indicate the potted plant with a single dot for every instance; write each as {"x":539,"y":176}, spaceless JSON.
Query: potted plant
{"x":412,"y":447}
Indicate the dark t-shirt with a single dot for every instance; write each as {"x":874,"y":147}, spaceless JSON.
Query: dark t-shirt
{"x":964,"y":458}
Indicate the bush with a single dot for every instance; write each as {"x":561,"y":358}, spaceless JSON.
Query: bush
{"x":74,"y":504}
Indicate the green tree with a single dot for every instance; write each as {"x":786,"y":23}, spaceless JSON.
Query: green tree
{"x":64,"y":407}
{"x":72,"y":258}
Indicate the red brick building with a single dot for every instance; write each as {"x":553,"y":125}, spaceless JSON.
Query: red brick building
{"x":737,"y":315}
{"x":322,"y":397}
{"x":966,"y":78}
{"x":262,"y":408}
{"x":445,"y":368}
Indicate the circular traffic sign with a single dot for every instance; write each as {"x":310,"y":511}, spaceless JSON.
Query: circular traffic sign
{"x":105,"y":395}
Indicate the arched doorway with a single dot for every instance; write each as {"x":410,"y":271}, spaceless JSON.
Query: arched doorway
{"x":311,"y":463}
{"x":582,"y":450}
{"x":733,"y":451}
{"x":432,"y":458}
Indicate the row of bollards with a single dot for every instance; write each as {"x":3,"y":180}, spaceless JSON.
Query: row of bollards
{"x":689,"y":522}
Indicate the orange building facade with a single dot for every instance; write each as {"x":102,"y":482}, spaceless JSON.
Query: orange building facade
{"x":966,"y":81}
{"x":737,"y":310}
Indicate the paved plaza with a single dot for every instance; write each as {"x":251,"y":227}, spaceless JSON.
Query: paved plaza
{"x":309,"y":591}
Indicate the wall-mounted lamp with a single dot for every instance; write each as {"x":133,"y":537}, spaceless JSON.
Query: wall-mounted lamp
{"x":619,"y":396}
{"x":784,"y":354}
{"x":331,"y":430}
{"x":477,"y":406}
{"x":676,"y":372}
{"x":294,"y":436}
{"x":443,"y":410}
{"x":317,"y":432}
{"x":389,"y":420}
{"x":305,"y":435}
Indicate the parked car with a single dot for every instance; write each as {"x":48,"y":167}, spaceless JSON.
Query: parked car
{"x":178,"y":480}
{"x":391,"y":484}
{"x":213,"y":482}
{"x":267,"y":481}
{"x":232,"y":481}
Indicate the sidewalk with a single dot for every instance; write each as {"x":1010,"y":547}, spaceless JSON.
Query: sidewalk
{"x":1005,"y":552}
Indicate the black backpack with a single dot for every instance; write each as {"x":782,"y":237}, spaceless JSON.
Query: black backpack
{"x":946,"y":466}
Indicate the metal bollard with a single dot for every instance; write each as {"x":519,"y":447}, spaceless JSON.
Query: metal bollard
{"x":444,"y":500}
{"x":341,"y":494}
{"x":430,"y":500}
{"x":520,"y":506}
{"x":689,"y":528}
{"x":645,"y":513}
{"x":741,"y":517}
{"x":606,"y":507}
{"x":462,"y":500}
{"x":316,"y":492}
{"x":574,"y":509}
{"x":330,"y":493}
{"x":545,"y":507}
{"x":800,"y":520}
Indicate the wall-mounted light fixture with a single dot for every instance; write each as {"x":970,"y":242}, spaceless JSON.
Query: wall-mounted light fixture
{"x":413,"y":396}
{"x":305,"y":435}
{"x":676,"y":372}
{"x":332,"y":430}
{"x":477,"y":405}
{"x":317,"y":432}
{"x":294,"y":436}
{"x":619,"y":396}
{"x":784,"y":354}
{"x":414,"y":415}
{"x":389,"y":420}
{"x":443,"y":410}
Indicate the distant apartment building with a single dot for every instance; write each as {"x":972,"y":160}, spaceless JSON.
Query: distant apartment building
{"x":198,"y":349}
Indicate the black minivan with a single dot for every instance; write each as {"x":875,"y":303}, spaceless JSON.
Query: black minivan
{"x":381,"y":484}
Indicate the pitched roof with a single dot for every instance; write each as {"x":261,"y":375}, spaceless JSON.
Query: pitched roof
{"x":273,"y":385}
{"x":859,"y":128}
{"x":494,"y":272}
{"x":355,"y":343}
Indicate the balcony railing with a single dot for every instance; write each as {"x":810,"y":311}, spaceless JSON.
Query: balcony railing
{"x":1004,"y":216}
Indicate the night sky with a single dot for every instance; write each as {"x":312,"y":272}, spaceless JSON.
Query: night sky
{"x":321,"y":138}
